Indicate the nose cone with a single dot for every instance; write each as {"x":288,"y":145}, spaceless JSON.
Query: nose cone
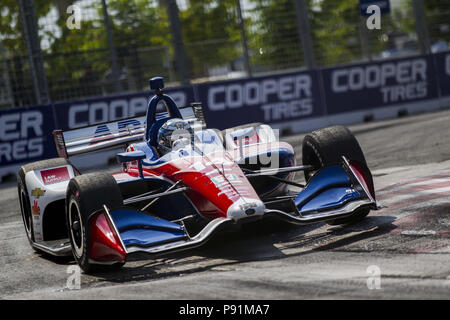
{"x":244,"y":208}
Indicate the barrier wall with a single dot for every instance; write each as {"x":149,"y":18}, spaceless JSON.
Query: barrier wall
{"x":299,"y":100}
{"x":270,"y":99}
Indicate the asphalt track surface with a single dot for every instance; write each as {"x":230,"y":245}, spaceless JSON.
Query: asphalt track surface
{"x":407,"y":242}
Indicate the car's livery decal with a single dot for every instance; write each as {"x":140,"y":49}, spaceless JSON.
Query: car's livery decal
{"x":55,"y":175}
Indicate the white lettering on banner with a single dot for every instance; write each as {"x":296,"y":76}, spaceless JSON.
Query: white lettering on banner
{"x":288,"y":109}
{"x":98,"y":108}
{"x":73,"y":111}
{"x":252,"y":92}
{"x":292,"y":96}
{"x":404,"y":92}
{"x":8,"y":127}
{"x":10,"y":124}
{"x":15,"y":128}
{"x":410,"y":77}
{"x":17,"y":150}
{"x":118,"y":109}
{"x":81,"y":115}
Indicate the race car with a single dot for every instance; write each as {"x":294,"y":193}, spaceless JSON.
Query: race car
{"x":181,"y":182}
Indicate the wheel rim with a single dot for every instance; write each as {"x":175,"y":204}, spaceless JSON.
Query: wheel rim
{"x":26,"y":212}
{"x":76,"y":228}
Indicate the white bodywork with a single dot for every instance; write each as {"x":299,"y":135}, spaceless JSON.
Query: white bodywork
{"x":52,"y":191}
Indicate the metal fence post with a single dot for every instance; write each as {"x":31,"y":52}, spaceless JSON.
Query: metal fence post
{"x":33,"y":44}
{"x":181,"y":60}
{"x":365,"y":39}
{"x":421,"y":26}
{"x":6,"y":95}
{"x":301,"y":10}
{"x":112,"y":49}
{"x":247,"y":65}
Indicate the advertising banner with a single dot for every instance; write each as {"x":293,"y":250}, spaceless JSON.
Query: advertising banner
{"x":82,"y":113}
{"x":377,"y":84}
{"x":269,"y":99}
{"x":443,"y":72}
{"x":25,"y":134}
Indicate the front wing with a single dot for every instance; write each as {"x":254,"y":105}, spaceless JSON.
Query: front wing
{"x":334,"y":192}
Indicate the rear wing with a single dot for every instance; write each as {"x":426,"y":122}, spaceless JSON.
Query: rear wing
{"x":113,"y":134}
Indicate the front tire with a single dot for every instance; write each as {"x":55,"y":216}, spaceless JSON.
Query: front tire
{"x":87,"y":194}
{"x":325,"y":147}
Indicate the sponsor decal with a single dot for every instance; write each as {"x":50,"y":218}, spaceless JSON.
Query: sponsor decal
{"x":103,"y":132}
{"x":247,"y":205}
{"x":37,"y":193}
{"x":248,"y":208}
{"x":218,"y":180}
{"x":247,"y":138}
{"x":232,"y":177}
{"x":35,"y":209}
{"x":55,"y":175}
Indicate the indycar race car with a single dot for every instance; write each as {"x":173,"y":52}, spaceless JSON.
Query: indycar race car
{"x":162,"y":202}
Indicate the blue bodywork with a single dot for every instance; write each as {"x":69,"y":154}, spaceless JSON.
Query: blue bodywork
{"x":330,"y":188}
{"x":139,"y":229}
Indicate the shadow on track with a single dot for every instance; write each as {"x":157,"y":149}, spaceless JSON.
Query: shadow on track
{"x":260,"y":241}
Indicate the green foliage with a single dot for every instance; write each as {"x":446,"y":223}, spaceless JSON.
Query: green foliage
{"x":337,"y":32}
{"x":77,"y":60}
{"x":211,"y":33}
{"x":438,"y":19}
{"x":273,"y":35}
{"x":12,"y":34}
{"x":437,"y":15}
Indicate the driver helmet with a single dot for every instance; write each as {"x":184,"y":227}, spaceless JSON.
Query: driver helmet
{"x":172,"y":131}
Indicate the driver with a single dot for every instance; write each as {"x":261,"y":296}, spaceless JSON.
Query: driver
{"x":174,"y":133}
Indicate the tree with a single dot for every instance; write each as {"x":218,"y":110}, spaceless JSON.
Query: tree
{"x":211,"y":33}
{"x":275,"y":39}
{"x":11,"y":29}
{"x":437,"y":15}
{"x":438,"y":20}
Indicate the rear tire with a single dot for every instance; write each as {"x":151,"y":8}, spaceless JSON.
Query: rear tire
{"x":24,"y":199}
{"x":325,"y":147}
{"x":87,"y":194}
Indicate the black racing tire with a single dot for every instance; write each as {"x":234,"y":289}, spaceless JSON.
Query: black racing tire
{"x":325,"y":147}
{"x":24,"y":199}
{"x":85,"y":195}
